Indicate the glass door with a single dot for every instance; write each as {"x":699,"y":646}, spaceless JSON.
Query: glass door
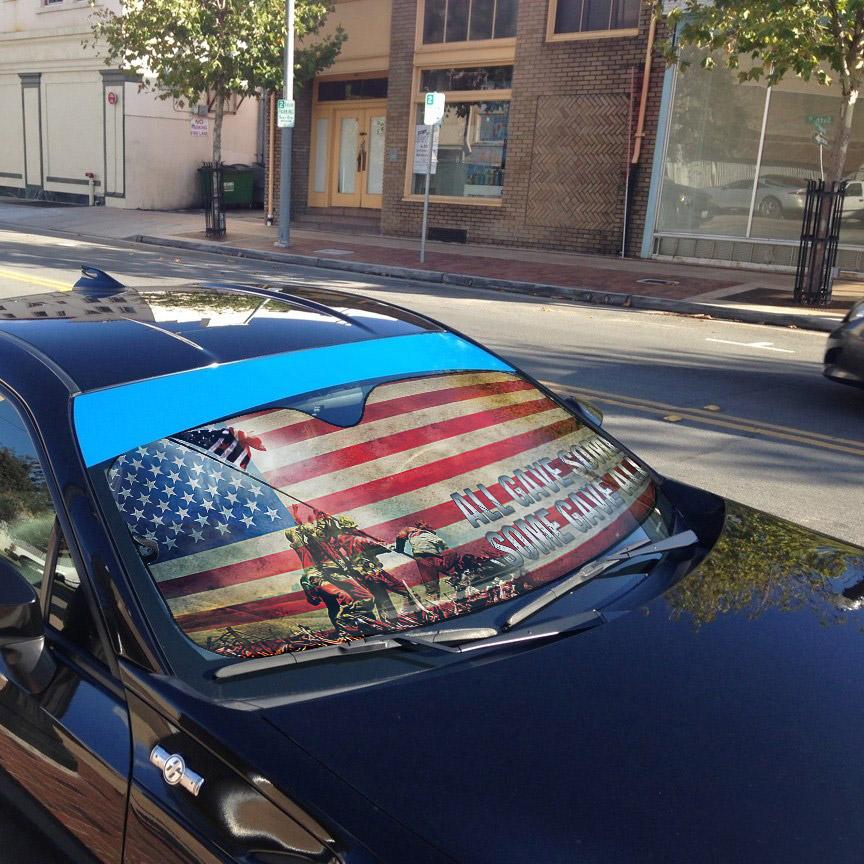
{"x":375,"y":125}
{"x":346,"y":188}
{"x":358,"y":167}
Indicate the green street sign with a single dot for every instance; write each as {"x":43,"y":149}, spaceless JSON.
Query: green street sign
{"x":285,"y":113}
{"x":822,"y":120}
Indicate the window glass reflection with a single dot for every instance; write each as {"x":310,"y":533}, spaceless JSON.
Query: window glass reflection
{"x":711,"y":153}
{"x":472,"y":150}
{"x":791,"y":156}
{"x":461,"y":20}
{"x":712,"y":173}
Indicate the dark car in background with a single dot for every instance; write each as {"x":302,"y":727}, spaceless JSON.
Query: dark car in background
{"x":844,"y":353}
{"x":684,"y":207}
{"x":308,"y":577}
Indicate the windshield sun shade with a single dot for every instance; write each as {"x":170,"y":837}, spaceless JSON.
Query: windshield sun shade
{"x":370,"y":508}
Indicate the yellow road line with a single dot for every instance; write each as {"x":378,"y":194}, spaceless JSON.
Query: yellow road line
{"x":712,"y":415}
{"x":36,"y":280}
{"x":739,"y":424}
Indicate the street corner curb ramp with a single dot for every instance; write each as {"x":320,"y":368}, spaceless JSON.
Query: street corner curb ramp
{"x":587,"y":296}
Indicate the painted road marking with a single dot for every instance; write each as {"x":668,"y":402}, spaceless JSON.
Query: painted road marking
{"x":762,"y":346}
{"x":738,"y":424}
{"x":35,"y":280}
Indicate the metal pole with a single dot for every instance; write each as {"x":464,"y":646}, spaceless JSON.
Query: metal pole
{"x":430,"y":143}
{"x":287,"y":133}
{"x":758,"y":162}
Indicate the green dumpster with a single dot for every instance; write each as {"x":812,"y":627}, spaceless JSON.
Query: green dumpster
{"x":236,"y":185}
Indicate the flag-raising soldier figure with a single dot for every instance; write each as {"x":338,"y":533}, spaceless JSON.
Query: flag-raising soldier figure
{"x":436,"y":559}
{"x":341,"y":568}
{"x":432,"y":554}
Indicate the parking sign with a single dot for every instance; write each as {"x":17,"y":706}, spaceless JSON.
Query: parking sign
{"x":433,"y":109}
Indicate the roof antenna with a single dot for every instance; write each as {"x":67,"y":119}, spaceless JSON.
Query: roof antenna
{"x":97,"y":283}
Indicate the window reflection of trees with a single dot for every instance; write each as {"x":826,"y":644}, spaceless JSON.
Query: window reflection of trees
{"x":761,"y":563}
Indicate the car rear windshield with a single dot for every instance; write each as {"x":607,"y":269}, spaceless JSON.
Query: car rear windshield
{"x":371,"y":508}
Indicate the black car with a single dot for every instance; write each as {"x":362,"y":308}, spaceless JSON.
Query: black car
{"x":844,"y":354}
{"x":310,"y":578}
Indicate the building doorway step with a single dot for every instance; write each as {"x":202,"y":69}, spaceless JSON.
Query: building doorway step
{"x":340,"y":220}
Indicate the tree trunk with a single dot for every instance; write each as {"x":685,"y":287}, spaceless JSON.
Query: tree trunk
{"x":217,"y":123}
{"x":841,"y":142}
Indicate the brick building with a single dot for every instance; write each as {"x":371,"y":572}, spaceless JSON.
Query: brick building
{"x":544,"y":122}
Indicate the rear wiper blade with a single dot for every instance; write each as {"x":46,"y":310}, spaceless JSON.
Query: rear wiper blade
{"x":594,"y":568}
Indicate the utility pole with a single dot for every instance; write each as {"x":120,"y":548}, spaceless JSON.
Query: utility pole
{"x":287,"y":132}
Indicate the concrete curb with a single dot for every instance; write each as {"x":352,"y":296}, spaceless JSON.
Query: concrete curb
{"x":589,"y":296}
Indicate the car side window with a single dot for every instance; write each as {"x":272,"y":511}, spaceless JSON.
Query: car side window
{"x":31,"y":537}
{"x":68,"y":610}
{"x":26,"y":512}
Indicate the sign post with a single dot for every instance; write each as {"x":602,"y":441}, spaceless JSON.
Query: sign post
{"x":433,"y":114}
{"x":820,"y":124}
{"x":285,"y":112}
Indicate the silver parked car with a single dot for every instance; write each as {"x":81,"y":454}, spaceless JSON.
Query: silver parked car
{"x":779,"y":196}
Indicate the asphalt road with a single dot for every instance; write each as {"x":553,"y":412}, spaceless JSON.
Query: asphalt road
{"x":740,"y":409}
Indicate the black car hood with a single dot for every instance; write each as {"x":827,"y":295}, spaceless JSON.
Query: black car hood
{"x":720,"y":721}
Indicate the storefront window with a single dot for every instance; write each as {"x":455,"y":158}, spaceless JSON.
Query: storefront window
{"x":583,"y":16}
{"x":353,"y":88}
{"x":791,"y":156}
{"x":461,"y":20}
{"x":472,"y":149}
{"x":472,"y":144}
{"x":464,"y":79}
{"x":719,"y":182}
{"x":713,"y":144}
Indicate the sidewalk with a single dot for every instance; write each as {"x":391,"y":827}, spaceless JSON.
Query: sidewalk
{"x":721,"y":292}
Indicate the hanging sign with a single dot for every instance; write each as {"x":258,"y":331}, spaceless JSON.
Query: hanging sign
{"x":422,"y":137}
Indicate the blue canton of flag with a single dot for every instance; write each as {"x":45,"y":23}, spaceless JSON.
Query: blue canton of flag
{"x":188,"y":502}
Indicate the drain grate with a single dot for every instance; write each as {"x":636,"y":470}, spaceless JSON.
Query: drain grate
{"x":651,"y":281}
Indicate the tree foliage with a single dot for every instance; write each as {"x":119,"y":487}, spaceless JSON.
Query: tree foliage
{"x":184,"y":48}
{"x":22,"y":494}
{"x":762,"y":562}
{"x":769,"y":40}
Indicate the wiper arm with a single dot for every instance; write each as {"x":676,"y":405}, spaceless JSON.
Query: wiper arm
{"x":594,"y":568}
{"x":473,"y":639}
{"x":421,"y":638}
{"x":476,"y":638}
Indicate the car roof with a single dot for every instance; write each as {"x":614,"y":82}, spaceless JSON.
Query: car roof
{"x":100,"y":333}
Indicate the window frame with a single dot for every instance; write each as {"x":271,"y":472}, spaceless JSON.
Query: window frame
{"x":450,"y":96}
{"x":420,"y":45}
{"x":55,"y":637}
{"x":552,"y":36}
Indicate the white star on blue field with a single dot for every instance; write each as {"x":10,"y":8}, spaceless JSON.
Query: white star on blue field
{"x":188,"y":502}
